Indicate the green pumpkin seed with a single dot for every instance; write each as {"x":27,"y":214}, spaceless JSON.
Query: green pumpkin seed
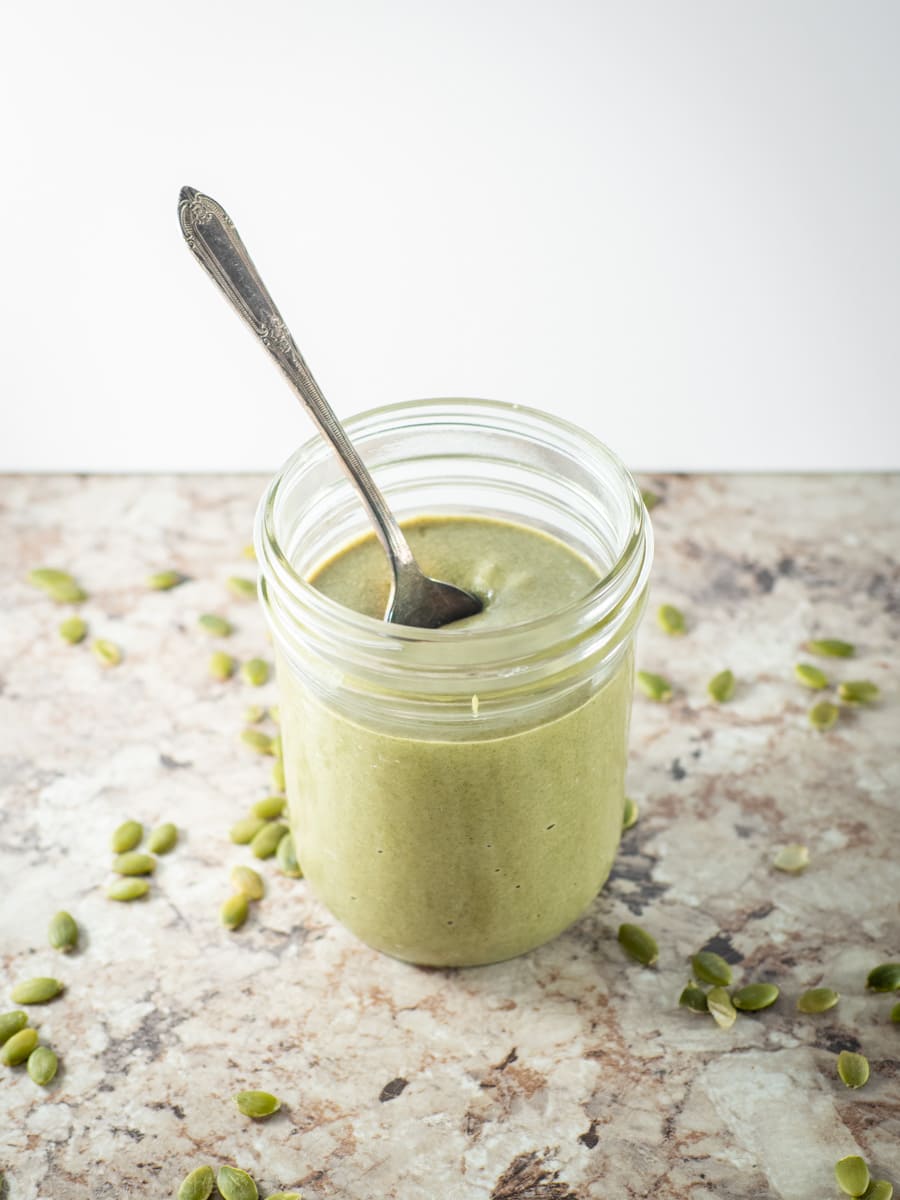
{"x":214,"y":625}
{"x":198,"y":1185}
{"x":222,"y":666}
{"x":106,"y":652}
{"x":670,"y":619}
{"x":630,"y":814}
{"x":257,"y":1104}
{"x":831,"y":648}
{"x":884,"y":978}
{"x":852,"y":1175}
{"x":255,"y":672}
{"x":42,"y":1064}
{"x":811,"y":676}
{"x":878,"y":1189}
{"x":245,"y":830}
{"x":11,"y":1023}
{"x":793,"y":858}
{"x":258,"y":741}
{"x":248,"y":881}
{"x":235,"y":1184}
{"x":134,"y":863}
{"x":39,"y":990}
{"x":694,"y":998}
{"x":266,"y":841}
{"x":287,"y":858}
{"x":275,"y":714}
{"x":19,"y":1046}
{"x":711,"y":968}
{"x":253,"y":714}
{"x":62,"y":932}
{"x":126,"y":837}
{"x":278,"y":775}
{"x":755,"y":996}
{"x":269,"y":807}
{"x":853,"y":1069}
{"x":297,"y":1196}
{"x":858,"y":691}
{"x":243,"y":589}
{"x":128,"y":889}
{"x":823,"y":715}
{"x":654,"y":686}
{"x":163,"y":839}
{"x":649,"y":498}
{"x":721,"y":1008}
{"x":164,"y":581}
{"x":638,"y":944}
{"x":817,"y":1000}
{"x":895,"y":1015}
{"x":234,"y":911}
{"x":721,"y":687}
{"x":277,"y":747}
{"x":73,"y":630}
{"x":58,"y":585}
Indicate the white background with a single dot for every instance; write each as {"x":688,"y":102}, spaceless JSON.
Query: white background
{"x":675,"y":222}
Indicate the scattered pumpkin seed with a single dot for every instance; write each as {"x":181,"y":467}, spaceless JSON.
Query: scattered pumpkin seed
{"x":266,"y":841}
{"x":884,"y":978}
{"x":234,"y":911}
{"x":258,"y":741}
{"x":858,"y":691}
{"x":73,"y":630}
{"x":198,"y":1185}
{"x":134,"y":863}
{"x":257,"y":1104}
{"x":214,"y":625}
{"x":277,"y":747}
{"x":895,"y":1014}
{"x":711,"y":968}
{"x":254,"y":713}
{"x":62,"y":932}
{"x":852,"y":1175}
{"x":286,"y":855}
{"x":721,"y":686}
{"x":164,"y":581}
{"x":853,"y":1069}
{"x":670,"y":619}
{"x":638,"y":944}
{"x":59,"y":585}
{"x":128,"y":889}
{"x":823,"y":715}
{"x":694,"y":998}
{"x":811,"y":676}
{"x":19,"y":1046}
{"x":278,"y":774}
{"x":630,"y":814}
{"x":248,"y":881}
{"x":654,"y":686}
{"x":753,"y":997}
{"x":792,"y":858}
{"x":245,"y":830}
{"x":817,"y":1000}
{"x":649,"y":498}
{"x":126,"y":837}
{"x":42,"y":1064}
{"x":235,"y":1184}
{"x":269,"y":807}
{"x":244,"y":589}
{"x":721,"y":1008}
{"x":10,"y":1023}
{"x":222,"y":666}
{"x":163,"y":838}
{"x":39,"y":990}
{"x":255,"y":672}
{"x":831,"y":648}
{"x":879,"y":1189}
{"x":106,"y":652}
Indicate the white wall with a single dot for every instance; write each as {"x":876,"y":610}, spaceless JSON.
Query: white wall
{"x":677,"y":223}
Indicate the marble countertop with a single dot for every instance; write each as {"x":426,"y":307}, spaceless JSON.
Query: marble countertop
{"x":568,"y":1073}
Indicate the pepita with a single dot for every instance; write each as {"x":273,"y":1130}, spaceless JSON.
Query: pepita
{"x":721,"y":686}
{"x":215,"y":626}
{"x":694,"y":998}
{"x":222,"y":666}
{"x":39,"y":990}
{"x":134,"y":863}
{"x":629,"y":814}
{"x":248,"y":881}
{"x":164,"y":581}
{"x":817,"y":1000}
{"x":257,"y":1104}
{"x":42,"y":1064}
{"x":278,"y":780}
{"x":106,"y":652}
{"x":711,"y":968}
{"x":286,"y":855}
{"x":198,"y":1185}
{"x":858,"y":691}
{"x":258,"y":741}
{"x":852,"y":1175}
{"x":126,"y":837}
{"x":245,"y":830}
{"x":670,"y":619}
{"x":853,"y":1069}
{"x":235,"y":1184}
{"x":163,"y":839}
{"x":269,"y":807}
{"x":884,"y":978}
{"x":654,"y":686}
{"x":831,"y":648}
{"x":792,"y":858}
{"x":878,"y":1189}
{"x":638,"y":944}
{"x":254,"y":713}
{"x":721,"y":1008}
{"x":19,"y":1046}
{"x":650,"y":499}
{"x":755,"y":996}
{"x":811,"y":676}
{"x":243,"y":589}
{"x":73,"y":630}
{"x":255,"y":672}
{"x":128,"y":889}
{"x":62,"y":932}
{"x":10,"y":1023}
{"x":60,"y":586}
{"x":266,"y":841}
{"x":823,"y":715}
{"x":234,"y":911}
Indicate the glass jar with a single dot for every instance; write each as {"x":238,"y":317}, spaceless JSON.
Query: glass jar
{"x":456,"y":795}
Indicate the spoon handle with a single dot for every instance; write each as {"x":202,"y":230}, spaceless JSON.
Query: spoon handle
{"x":211,"y":235}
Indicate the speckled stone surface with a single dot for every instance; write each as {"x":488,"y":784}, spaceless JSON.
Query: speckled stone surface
{"x":566,"y":1073}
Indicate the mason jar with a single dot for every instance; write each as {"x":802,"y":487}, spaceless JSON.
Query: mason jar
{"x":456,"y":795}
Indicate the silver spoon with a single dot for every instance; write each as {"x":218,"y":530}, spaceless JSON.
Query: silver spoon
{"x":415,"y":598}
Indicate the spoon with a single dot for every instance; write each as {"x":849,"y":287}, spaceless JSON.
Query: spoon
{"x":415,"y":598}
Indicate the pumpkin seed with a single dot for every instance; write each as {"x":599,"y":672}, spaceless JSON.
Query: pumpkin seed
{"x":42,"y":1064}
{"x":253,"y":714}
{"x":823,"y":715}
{"x":895,"y":1014}
{"x":792,"y":858}
{"x":721,"y":686}
{"x":257,"y":1104}
{"x":694,"y":998}
{"x":19,"y":1046}
{"x":234,"y":911}
{"x":852,"y":1175}
{"x":858,"y":691}
{"x":266,"y":841}
{"x":126,"y":837}
{"x":163,"y":838}
{"x":269,"y":807}
{"x":258,"y":741}
{"x":134,"y":863}
{"x":235,"y":1184}
{"x":278,"y":780}
{"x":297,"y":1196}
{"x":277,"y":747}
{"x":39,"y":990}
{"x":11,"y":1023}
{"x":248,"y":881}
{"x":243,"y":589}
{"x":721,"y":1008}
{"x":831,"y":648}
{"x":287,"y":858}
{"x":198,"y":1185}
{"x":811,"y":676}
{"x":215,"y":626}
{"x":128,"y":889}
{"x":654,"y":686}
{"x":817,"y":1000}
{"x":638,"y":944}
{"x":62,"y":932}
{"x":73,"y":630}
{"x":245,"y":830}
{"x":630,"y":814}
{"x":649,"y":498}
{"x":853,"y":1069}
{"x":670,"y":619}
{"x":106,"y":652}
{"x":255,"y":672}
{"x":711,"y":968}
{"x":222,"y":666}
{"x":164,"y":581}
{"x":885,"y":978}
{"x":755,"y":996}
{"x":59,"y":585}
{"x":878,"y":1189}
